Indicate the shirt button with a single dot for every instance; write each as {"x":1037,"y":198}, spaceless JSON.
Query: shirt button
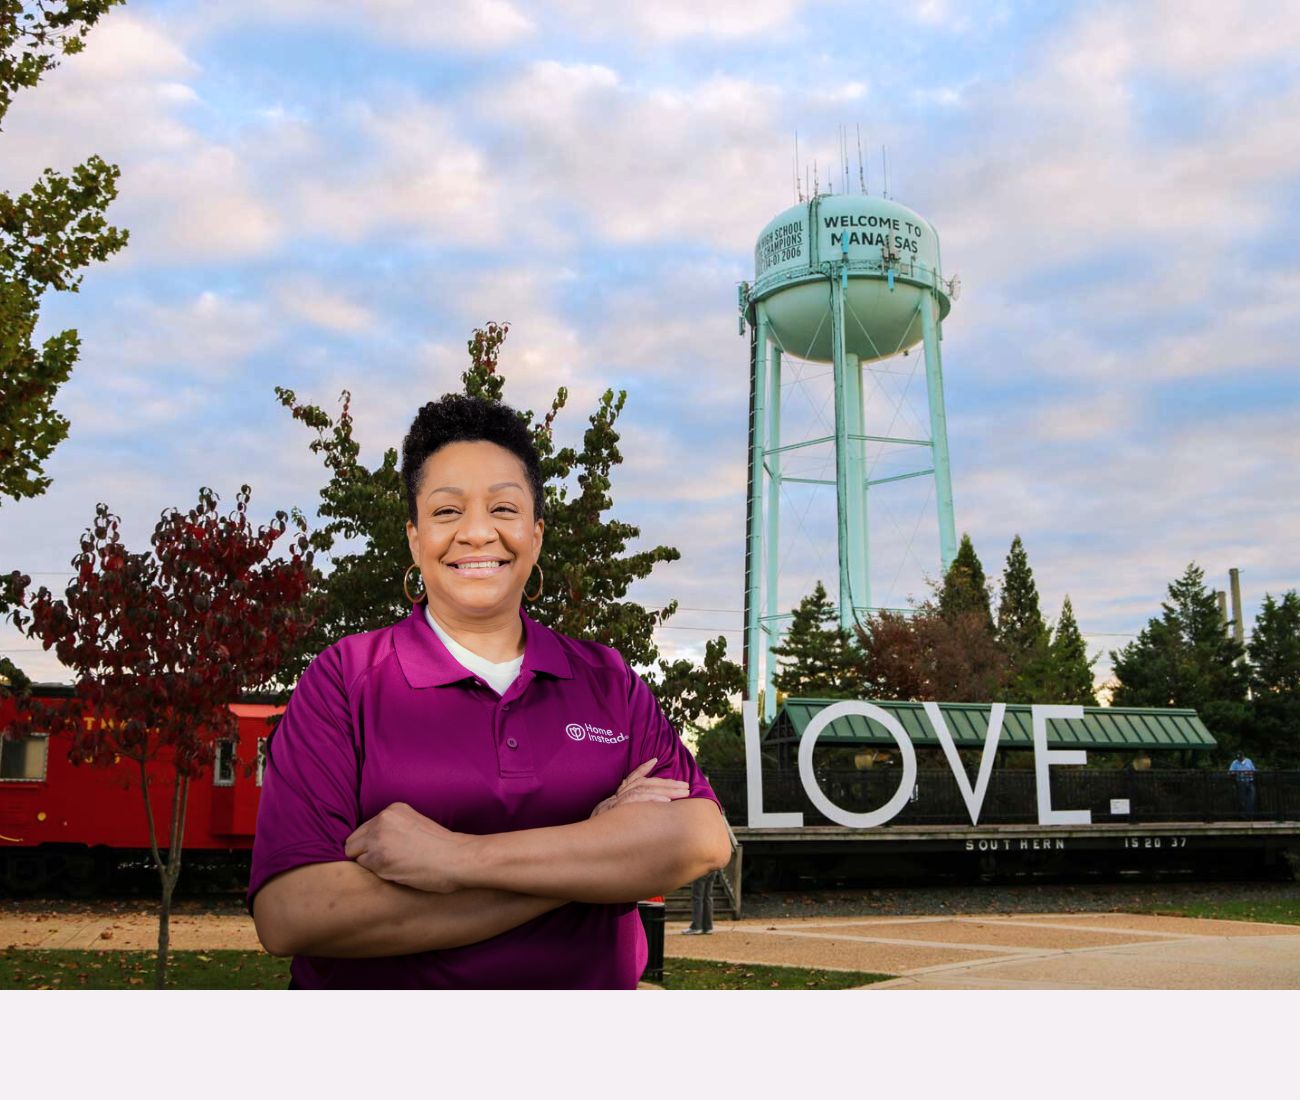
{"x":512,"y":742}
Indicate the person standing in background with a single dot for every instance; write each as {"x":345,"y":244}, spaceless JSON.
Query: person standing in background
{"x":701,"y":906}
{"x":1244,"y":769}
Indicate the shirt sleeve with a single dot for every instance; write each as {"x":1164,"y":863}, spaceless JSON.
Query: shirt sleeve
{"x":310,"y":801}
{"x":659,"y":739}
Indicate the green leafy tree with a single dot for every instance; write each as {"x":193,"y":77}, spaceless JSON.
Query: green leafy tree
{"x":1186,"y":658}
{"x":1071,"y":666}
{"x":690,"y":694}
{"x":818,"y":658}
{"x":964,"y":589}
{"x":1274,"y":732}
{"x":585,"y":561}
{"x":47,"y":236}
{"x":1022,"y":634}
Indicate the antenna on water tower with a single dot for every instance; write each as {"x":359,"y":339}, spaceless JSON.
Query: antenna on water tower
{"x":828,"y":259}
{"x":862,"y":174}
{"x":797,"y":189}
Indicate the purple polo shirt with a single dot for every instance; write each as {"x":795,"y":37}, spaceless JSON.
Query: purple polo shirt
{"x":390,"y":716}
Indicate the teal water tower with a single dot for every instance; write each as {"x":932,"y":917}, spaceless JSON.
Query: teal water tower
{"x":845,"y":280}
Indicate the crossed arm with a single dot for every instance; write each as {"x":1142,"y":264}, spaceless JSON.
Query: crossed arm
{"x":411,"y":885}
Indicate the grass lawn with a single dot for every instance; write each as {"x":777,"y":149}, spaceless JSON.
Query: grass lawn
{"x":31,"y":969}
{"x":27,"y":969}
{"x":1280,"y":911}
{"x":707,"y":974}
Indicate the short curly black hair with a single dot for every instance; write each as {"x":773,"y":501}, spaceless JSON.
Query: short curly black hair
{"x":458,"y":418}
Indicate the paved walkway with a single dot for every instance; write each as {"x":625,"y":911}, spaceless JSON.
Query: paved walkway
{"x":1057,"y":951}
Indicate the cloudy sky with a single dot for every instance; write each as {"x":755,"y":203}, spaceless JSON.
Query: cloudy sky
{"x":332,"y":193}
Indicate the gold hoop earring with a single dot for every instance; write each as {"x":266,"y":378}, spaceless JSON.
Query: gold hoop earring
{"x":406,"y":586}
{"x":541,"y":580}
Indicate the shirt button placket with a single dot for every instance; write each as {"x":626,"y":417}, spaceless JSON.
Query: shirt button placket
{"x":512,"y":758}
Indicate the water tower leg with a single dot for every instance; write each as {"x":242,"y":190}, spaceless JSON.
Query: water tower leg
{"x":772,"y":631}
{"x":859,"y":544}
{"x":938,"y":432}
{"x":843,"y":456}
{"x":754,"y":524}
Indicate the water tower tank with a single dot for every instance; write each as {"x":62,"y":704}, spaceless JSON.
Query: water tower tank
{"x":889,"y":257}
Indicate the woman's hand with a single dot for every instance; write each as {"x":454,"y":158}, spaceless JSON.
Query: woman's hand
{"x":401,"y":845}
{"x":638,"y":787}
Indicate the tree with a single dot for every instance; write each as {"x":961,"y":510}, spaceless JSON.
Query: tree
{"x":1071,"y":667}
{"x":1186,"y":658}
{"x":162,"y":642}
{"x":927,"y":656}
{"x":1022,"y":634}
{"x":1275,"y":681}
{"x":964,"y":589}
{"x":585,"y":560}
{"x":688,"y":692}
{"x":818,"y":658}
{"x":722,"y":745}
{"x":46,"y":237}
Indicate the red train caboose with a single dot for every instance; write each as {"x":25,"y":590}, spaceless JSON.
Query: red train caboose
{"x":71,"y":826}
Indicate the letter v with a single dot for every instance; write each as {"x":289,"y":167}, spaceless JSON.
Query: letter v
{"x":974,"y":799}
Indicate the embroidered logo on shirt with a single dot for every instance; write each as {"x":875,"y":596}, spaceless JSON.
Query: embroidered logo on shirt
{"x":583,"y":731}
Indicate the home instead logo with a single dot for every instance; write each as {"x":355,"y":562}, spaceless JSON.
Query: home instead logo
{"x":584,"y":731}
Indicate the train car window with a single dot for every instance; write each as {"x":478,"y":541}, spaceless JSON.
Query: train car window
{"x":261,"y":758}
{"x":24,"y":759}
{"x":223,"y":768}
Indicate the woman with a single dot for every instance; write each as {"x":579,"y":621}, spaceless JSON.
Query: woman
{"x":467,"y":799}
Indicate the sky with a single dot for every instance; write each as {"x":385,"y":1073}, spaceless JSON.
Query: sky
{"x":332,"y":194}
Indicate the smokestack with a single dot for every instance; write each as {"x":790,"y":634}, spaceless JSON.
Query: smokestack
{"x":1238,"y":627}
{"x":1223,"y":609}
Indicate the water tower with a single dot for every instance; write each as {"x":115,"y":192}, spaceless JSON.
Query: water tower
{"x":846,"y":280}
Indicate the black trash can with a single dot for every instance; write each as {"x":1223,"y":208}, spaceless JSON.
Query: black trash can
{"x":652,"y":919}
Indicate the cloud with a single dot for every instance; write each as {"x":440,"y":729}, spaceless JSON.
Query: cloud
{"x":130,"y":97}
{"x":445,"y":26}
{"x":309,"y":299}
{"x":677,"y":20}
{"x":401,"y":167}
{"x":641,"y":165}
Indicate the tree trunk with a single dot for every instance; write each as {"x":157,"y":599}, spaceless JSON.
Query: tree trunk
{"x":169,"y":873}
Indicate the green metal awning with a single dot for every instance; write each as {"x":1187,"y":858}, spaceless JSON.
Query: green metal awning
{"x":1101,"y":728}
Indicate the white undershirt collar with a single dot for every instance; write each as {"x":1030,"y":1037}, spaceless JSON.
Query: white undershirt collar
{"x":499,"y":674}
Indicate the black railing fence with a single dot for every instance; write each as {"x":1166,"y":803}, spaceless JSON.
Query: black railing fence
{"x":1157,"y":795}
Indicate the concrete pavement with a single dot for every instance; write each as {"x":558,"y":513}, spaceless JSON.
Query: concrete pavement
{"x":1056,"y":951}
{"x":1051,"y":951}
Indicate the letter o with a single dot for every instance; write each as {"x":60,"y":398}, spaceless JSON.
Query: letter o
{"x":815,"y":794}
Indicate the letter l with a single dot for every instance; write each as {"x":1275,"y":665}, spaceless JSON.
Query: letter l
{"x":754,"y":777}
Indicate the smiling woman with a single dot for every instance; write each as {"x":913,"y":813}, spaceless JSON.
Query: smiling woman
{"x":428,"y":818}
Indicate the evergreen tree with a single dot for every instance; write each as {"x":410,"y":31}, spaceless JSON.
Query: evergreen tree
{"x":1022,"y":634}
{"x":1275,"y":682}
{"x":1071,"y":666}
{"x":818,"y":658}
{"x":1186,"y":658}
{"x":964,"y":589}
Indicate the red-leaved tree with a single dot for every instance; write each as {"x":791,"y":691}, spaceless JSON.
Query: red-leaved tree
{"x":163,"y":642}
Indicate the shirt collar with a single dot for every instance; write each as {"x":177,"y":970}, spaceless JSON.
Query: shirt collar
{"x":425,"y":661}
